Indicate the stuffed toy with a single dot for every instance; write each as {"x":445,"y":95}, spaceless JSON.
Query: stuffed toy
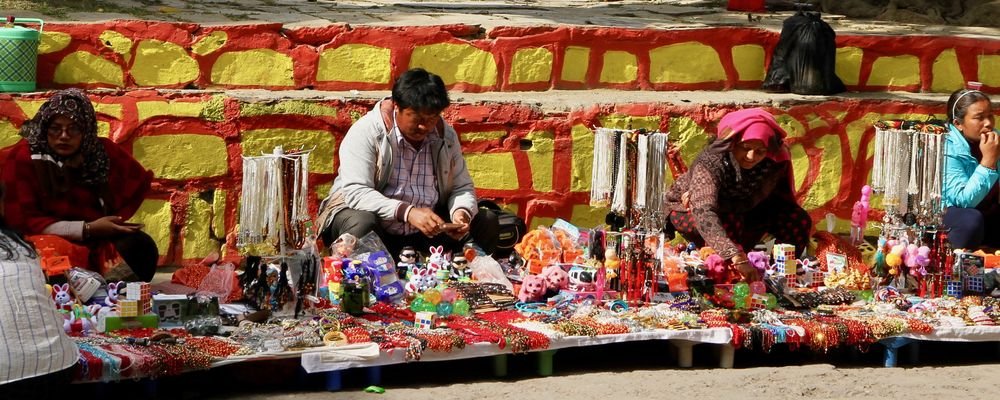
{"x":532,"y":289}
{"x":556,"y":278}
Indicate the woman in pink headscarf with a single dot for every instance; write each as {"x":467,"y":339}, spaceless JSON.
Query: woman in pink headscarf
{"x":738,"y":189}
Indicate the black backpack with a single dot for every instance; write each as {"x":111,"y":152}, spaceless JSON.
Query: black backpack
{"x":804,"y":61}
{"x":512,"y":228}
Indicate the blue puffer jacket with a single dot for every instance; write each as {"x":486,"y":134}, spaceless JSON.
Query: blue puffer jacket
{"x":966,"y":182}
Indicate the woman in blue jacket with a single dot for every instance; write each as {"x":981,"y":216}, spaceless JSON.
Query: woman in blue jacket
{"x":970,"y":188}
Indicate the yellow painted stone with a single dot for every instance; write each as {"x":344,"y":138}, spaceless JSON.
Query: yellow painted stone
{"x":619,"y":121}
{"x":219,"y":212}
{"x":815,"y":122}
{"x":511,"y":208}
{"x":540,"y":156}
{"x":149,"y":109}
{"x":689,"y":62}
{"x":456,"y":63}
{"x":480,"y":136}
{"x":946,"y":75}
{"x":29,"y":108}
{"x":83,"y":67}
{"x":262,"y":141}
{"x":540,"y":221}
{"x":827,"y":183}
{"x":210,"y":43}
{"x":51,"y":42}
{"x":182,"y":156}
{"x":116,"y":42}
{"x":792,"y":126}
{"x":689,"y":137}
{"x":355,"y":63}
{"x":159,"y":63}
{"x":749,"y":62}
{"x":8,"y":134}
{"x":587,"y":217}
{"x":109,"y":109}
{"x":619,"y":67}
{"x":849,"y":64}
{"x":198,"y":241}
{"x":989,"y":70}
{"x":493,"y":171}
{"x":895,"y":71}
{"x":103,"y":129}
{"x":575,"y":62}
{"x":800,"y":164}
{"x":259,"y":67}
{"x":531,"y":65}
{"x":323,"y":190}
{"x":294,"y":107}
{"x":583,"y":158}
{"x":156,"y":217}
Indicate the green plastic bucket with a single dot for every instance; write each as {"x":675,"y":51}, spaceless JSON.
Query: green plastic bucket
{"x":19,"y":54}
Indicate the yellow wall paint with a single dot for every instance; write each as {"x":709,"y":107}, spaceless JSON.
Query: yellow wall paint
{"x":688,"y":136}
{"x":800,"y":164}
{"x":749,"y":62}
{"x":989,"y":70}
{"x":182,"y":156}
{"x":540,"y":157}
{"x":689,"y":62}
{"x":198,"y":241}
{"x":849,"y":64}
{"x":946,"y":75}
{"x":575,"y":62}
{"x":456,"y":63}
{"x":262,"y":141}
{"x":156,"y":216}
{"x":149,"y":109}
{"x":51,"y":42}
{"x":109,"y":109}
{"x":540,"y":221}
{"x":29,"y":107}
{"x":480,"y":136}
{"x":159,"y":63}
{"x":103,"y":129}
{"x":83,"y":67}
{"x":117,"y":42}
{"x":294,"y":107}
{"x":8,"y":134}
{"x":619,"y":67}
{"x":619,"y":121}
{"x":355,"y":63}
{"x":261,"y":67}
{"x":583,"y":158}
{"x":895,"y":71}
{"x":210,"y":43}
{"x":827,"y":183}
{"x":531,"y":65}
{"x":495,"y":171}
{"x":815,"y":122}
{"x":792,"y":126}
{"x":219,"y":212}
{"x":587,"y":217}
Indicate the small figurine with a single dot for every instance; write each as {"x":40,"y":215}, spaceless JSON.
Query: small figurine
{"x":408,"y":259}
{"x":62,"y":297}
{"x":460,"y":269}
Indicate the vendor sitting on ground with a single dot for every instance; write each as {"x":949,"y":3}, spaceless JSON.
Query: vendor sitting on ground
{"x":972,"y":157}
{"x":402,"y":175}
{"x":70,"y":191}
{"x":738,"y":189}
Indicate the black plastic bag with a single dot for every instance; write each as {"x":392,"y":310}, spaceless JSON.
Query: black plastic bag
{"x":804,"y":61}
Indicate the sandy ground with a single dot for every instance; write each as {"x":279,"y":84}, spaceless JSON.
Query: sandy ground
{"x":643,"y":370}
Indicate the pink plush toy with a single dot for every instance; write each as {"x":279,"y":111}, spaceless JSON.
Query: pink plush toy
{"x":922,"y":260}
{"x":62,"y":297}
{"x":532,"y":289}
{"x":759,"y":260}
{"x":716,"y":268}
{"x":556,"y":278}
{"x":859,"y":215}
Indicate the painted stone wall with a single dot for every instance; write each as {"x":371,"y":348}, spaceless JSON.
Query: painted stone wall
{"x":146,"y":54}
{"x":535,"y":162}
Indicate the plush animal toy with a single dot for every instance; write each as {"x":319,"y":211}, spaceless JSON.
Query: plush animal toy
{"x":759,"y":260}
{"x":422,"y":279}
{"x":716,"y":268}
{"x":611,"y":263}
{"x":895,"y":257}
{"x":112,"y":299}
{"x":556,"y":278}
{"x":62,"y":297}
{"x":532,"y":289}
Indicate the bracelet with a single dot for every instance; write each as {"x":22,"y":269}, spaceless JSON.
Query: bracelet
{"x":86,"y":230}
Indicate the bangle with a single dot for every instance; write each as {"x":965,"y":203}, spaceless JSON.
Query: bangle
{"x":86,"y":230}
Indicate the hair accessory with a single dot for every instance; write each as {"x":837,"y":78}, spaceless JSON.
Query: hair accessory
{"x":955,"y":104}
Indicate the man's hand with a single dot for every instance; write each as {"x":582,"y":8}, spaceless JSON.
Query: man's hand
{"x":462,"y":217}
{"x":425,"y":220}
{"x":109,"y":226}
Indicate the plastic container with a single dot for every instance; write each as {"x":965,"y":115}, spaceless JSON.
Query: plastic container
{"x":19,"y":54}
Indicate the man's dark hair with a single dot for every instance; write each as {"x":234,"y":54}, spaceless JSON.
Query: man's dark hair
{"x":420,"y":91}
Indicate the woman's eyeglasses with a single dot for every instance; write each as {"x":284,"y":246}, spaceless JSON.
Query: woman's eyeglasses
{"x":59,"y":130}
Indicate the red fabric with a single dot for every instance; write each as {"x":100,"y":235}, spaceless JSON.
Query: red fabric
{"x":28,"y":209}
{"x":99,"y":257}
{"x":192,"y":275}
